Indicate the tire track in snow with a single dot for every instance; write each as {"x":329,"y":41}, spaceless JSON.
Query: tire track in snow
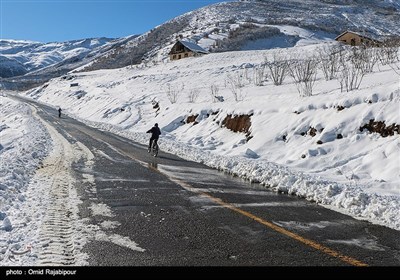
{"x":63,"y":233}
{"x":59,"y":243}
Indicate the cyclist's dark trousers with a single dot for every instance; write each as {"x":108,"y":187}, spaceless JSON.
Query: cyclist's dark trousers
{"x":151,"y":140}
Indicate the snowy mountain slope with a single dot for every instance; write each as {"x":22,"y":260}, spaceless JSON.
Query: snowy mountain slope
{"x":227,"y":26}
{"x":35,"y":55}
{"x":76,"y":57}
{"x":317,"y":147}
{"x":212,"y":26}
{"x":40,"y":62}
{"x":11,"y":67}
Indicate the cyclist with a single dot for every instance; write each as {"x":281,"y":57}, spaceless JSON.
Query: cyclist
{"x":155,"y":133}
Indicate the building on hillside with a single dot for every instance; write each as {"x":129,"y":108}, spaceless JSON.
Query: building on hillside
{"x":183,"y":49}
{"x":357,"y":39}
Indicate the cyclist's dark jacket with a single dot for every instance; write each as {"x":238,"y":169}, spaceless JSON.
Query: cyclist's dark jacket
{"x":155,"y":132}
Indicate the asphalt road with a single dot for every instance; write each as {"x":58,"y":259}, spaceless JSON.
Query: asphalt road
{"x":167,"y":211}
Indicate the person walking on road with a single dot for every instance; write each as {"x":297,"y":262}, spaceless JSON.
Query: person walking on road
{"x":59,"y":112}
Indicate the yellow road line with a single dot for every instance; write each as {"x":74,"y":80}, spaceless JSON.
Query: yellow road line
{"x":273,"y":226}
{"x":270,"y":225}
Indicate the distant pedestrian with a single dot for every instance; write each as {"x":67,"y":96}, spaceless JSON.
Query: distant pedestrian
{"x":59,"y":112}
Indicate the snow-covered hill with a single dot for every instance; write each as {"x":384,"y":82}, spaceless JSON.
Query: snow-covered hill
{"x":227,"y":26}
{"x":28,"y":64}
{"x":340,"y":149}
{"x":11,"y":67}
{"x":31,"y":56}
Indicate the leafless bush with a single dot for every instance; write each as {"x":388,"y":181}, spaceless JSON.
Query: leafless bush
{"x":173,"y":92}
{"x":236,"y":79}
{"x":388,"y":55}
{"x":214,"y":93}
{"x":246,"y":76}
{"x":259,"y":75}
{"x":371,"y":56}
{"x":193,"y":95}
{"x":278,"y":67}
{"x":364,"y":57}
{"x":237,"y":92}
{"x":395,"y":66}
{"x":236,"y":88}
{"x":353,"y":68}
{"x":329,"y":58}
{"x":304,"y":72}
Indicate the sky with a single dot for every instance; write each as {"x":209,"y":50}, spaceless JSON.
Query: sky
{"x":64,"y":20}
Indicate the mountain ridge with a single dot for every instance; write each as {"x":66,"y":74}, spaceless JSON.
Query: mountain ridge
{"x":212,"y":28}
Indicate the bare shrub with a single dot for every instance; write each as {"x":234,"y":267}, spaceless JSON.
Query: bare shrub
{"x":329,"y":59}
{"x":214,"y":93}
{"x":246,"y":76}
{"x":388,"y":55}
{"x":193,"y":95}
{"x":396,"y":64}
{"x":353,"y":67}
{"x":173,"y":92}
{"x":259,"y":75}
{"x":304,"y":72}
{"x":236,"y":79}
{"x":389,"y":51}
{"x":278,"y":67}
{"x":371,"y":57}
{"x":235,"y":87}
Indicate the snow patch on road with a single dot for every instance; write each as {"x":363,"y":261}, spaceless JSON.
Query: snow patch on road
{"x":101,"y":209}
{"x":362,"y":242}
{"x":110,"y":224}
{"x":120,"y":240}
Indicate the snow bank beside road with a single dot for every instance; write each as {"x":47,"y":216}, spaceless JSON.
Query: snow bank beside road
{"x":24,"y":143}
{"x":346,"y":198}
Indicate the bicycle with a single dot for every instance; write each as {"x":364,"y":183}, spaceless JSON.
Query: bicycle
{"x":154,"y":149}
